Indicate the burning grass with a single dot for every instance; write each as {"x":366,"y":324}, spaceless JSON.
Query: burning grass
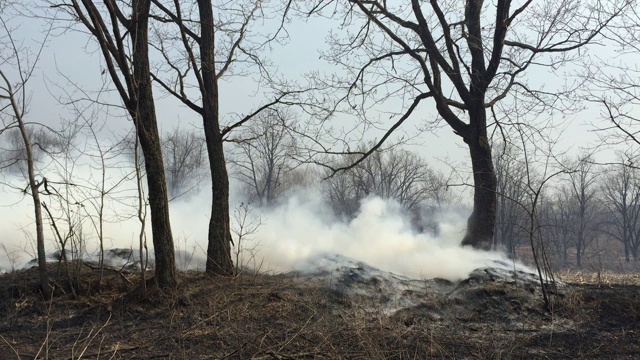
{"x":282,"y":317}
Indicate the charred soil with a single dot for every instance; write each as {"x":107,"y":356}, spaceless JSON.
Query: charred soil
{"x":286,"y":317}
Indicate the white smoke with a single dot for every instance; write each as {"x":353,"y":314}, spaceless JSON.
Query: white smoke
{"x":292,"y":235}
{"x":302,"y":229}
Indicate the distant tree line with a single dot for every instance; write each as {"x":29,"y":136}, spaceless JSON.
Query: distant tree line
{"x":589,"y":216}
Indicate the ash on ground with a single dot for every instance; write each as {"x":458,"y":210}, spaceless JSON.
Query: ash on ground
{"x":500,"y":290}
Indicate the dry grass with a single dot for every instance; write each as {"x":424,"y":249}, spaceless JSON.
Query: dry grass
{"x":599,"y":278}
{"x":274,"y":317}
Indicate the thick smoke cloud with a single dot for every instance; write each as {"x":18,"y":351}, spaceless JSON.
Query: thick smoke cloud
{"x":303,"y":228}
{"x":292,"y":237}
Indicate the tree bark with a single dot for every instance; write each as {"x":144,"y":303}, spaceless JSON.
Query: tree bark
{"x":481,"y":223}
{"x":144,"y":118}
{"x":579,"y":255}
{"x":219,"y":239}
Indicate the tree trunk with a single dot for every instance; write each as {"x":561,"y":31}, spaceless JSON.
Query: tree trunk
{"x":580,"y":248}
{"x":144,"y":118}
{"x":35,"y":195}
{"x":480,"y":226}
{"x":219,"y":242}
{"x":579,"y":254}
{"x":495,"y":241}
{"x":37,"y":207}
{"x":626,"y":247}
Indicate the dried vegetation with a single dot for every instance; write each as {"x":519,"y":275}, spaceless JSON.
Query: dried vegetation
{"x":283,"y":317}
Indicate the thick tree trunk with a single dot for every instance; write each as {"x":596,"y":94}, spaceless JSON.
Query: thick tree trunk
{"x":219,"y":241}
{"x":481,"y":223}
{"x":144,"y":118}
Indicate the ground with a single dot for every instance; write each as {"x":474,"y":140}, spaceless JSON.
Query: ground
{"x":303,"y":317}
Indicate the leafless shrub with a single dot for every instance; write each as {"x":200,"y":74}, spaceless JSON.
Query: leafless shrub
{"x":246,"y":225}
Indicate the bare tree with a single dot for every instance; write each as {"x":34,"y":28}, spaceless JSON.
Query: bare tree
{"x":613,"y":81}
{"x":583,"y":187}
{"x":511,"y":175}
{"x":621,"y":192}
{"x":395,"y":174}
{"x":614,"y":86}
{"x":540,"y":169}
{"x":20,"y":63}
{"x":122,"y":35}
{"x":265,"y":156}
{"x":342,"y":195}
{"x":79,"y":203}
{"x":210,"y":48}
{"x":185,"y":157}
{"x":555,"y":217}
{"x":469,"y":58}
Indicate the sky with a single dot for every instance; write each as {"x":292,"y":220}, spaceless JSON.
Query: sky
{"x":70,"y":58}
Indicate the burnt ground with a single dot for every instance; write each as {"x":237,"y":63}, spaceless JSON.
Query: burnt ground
{"x":284,"y":317}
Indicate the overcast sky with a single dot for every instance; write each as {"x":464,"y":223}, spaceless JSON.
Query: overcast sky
{"x":72,"y":58}
{"x":74,"y":55}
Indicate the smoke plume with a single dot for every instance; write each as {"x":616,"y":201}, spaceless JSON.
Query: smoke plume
{"x":291,"y":236}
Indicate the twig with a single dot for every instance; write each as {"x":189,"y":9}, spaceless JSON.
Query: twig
{"x":118,"y":271}
{"x":119,"y":350}
{"x":11,"y":347}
